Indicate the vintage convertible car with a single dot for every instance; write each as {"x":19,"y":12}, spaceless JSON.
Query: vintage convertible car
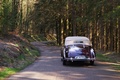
{"x":77,"y":48}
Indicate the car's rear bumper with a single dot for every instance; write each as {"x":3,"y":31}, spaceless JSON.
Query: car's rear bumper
{"x":73,"y":59}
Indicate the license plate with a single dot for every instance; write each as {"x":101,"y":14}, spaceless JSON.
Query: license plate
{"x":80,"y":57}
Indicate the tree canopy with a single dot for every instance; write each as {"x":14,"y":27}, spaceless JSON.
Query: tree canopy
{"x":99,"y":20}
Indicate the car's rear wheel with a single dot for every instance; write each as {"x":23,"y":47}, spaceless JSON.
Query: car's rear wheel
{"x":91,"y":62}
{"x":64,"y":62}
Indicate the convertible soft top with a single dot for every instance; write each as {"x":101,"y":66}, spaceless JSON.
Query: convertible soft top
{"x":77,"y":40}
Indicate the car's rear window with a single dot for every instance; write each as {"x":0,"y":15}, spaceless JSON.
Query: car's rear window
{"x":79,"y":45}
{"x":78,"y":41}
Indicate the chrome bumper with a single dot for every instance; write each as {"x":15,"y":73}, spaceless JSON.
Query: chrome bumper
{"x":73,"y":59}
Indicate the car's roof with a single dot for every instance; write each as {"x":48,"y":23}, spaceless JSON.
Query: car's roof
{"x":82,"y":38}
{"x":77,"y":39}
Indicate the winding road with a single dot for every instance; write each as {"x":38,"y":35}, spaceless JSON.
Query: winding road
{"x":49,"y":67}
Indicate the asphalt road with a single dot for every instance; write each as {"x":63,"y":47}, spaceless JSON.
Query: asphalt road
{"x":49,"y":67}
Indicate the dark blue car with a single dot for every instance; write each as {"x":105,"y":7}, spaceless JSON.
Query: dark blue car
{"x":77,"y":48}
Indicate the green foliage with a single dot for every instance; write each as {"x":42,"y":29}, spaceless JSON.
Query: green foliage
{"x":101,"y":57}
{"x":116,"y":66}
{"x":6,"y":72}
{"x":105,"y":58}
{"x":115,"y":13}
{"x":63,"y":18}
{"x":32,"y":38}
{"x":16,"y":55}
{"x":8,"y":16}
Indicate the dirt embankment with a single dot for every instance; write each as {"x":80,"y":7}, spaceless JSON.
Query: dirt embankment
{"x":16,"y":51}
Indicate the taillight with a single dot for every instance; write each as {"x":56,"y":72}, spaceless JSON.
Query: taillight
{"x":83,"y":51}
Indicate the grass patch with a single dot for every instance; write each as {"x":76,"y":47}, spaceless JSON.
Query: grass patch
{"x":7,"y":72}
{"x":21,"y":57}
{"x":116,"y":66}
{"x":102,"y":57}
{"x":109,"y":58}
{"x":10,"y":71}
{"x":32,"y":52}
{"x":28,"y":56}
{"x":36,"y":53}
{"x":16,"y":55}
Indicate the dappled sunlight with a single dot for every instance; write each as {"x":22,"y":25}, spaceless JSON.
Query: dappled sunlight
{"x":33,"y":75}
{"x":109,"y":63}
{"x":109,"y":76}
{"x":49,"y":67}
{"x":107,"y":53}
{"x":55,"y":57}
{"x":68,"y":74}
{"x":34,"y":38}
{"x":51,"y":37}
{"x":59,"y":75}
{"x":52,"y":21}
{"x":112,"y":70}
{"x":12,"y":44}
